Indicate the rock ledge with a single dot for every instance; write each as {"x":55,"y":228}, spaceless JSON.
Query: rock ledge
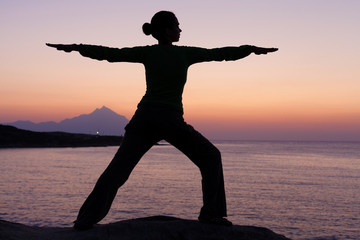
{"x":150,"y":228}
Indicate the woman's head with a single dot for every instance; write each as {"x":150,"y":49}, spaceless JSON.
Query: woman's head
{"x":164,"y":26}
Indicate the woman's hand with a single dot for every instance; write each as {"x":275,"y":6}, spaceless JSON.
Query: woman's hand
{"x":64,"y":47}
{"x":259,"y":50}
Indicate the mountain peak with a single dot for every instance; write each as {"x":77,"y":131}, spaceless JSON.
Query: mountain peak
{"x":103,"y":109}
{"x":103,"y":121}
{"x":103,"y":112}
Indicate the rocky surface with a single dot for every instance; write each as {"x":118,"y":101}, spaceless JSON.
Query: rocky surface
{"x":151,"y":228}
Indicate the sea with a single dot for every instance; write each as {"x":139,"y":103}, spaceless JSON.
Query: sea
{"x":303,"y":190}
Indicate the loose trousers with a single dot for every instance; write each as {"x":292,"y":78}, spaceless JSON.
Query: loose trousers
{"x":148,"y":126}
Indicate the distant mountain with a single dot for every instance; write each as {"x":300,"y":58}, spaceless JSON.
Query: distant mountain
{"x":102,"y":121}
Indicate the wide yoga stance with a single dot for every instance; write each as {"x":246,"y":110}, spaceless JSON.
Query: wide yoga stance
{"x":159,"y":116}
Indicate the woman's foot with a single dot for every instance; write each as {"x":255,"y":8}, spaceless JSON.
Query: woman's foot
{"x":82,"y":226}
{"x":215,"y":220}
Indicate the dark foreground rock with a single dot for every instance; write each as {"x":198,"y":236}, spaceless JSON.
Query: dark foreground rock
{"x":151,"y":228}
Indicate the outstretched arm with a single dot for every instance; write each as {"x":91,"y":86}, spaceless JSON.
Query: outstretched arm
{"x":260,"y":50}
{"x":225,"y":53}
{"x":134,"y":54}
{"x":64,"y":47}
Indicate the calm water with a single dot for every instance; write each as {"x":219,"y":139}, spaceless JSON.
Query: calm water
{"x":304,"y":190}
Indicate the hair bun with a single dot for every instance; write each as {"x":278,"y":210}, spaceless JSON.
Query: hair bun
{"x":147,"y":28}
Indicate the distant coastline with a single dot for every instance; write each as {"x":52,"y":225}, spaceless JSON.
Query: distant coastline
{"x":101,"y":120}
{"x":12,"y":137}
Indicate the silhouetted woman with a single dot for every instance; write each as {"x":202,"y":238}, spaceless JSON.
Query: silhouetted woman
{"x":159,"y":116}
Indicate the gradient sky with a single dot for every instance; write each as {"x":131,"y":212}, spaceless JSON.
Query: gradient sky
{"x":308,"y":90}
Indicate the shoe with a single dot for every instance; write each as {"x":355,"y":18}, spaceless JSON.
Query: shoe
{"x":215,"y":220}
{"x":82,"y":227}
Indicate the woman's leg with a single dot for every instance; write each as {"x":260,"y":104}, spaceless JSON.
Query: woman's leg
{"x":208,"y":158}
{"x":98,"y":203}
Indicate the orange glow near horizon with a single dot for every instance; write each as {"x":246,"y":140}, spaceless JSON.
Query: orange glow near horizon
{"x":311,"y":83}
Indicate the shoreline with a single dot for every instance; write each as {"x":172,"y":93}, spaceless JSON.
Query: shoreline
{"x":12,"y":137}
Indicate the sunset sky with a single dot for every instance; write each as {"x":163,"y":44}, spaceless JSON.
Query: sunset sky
{"x":308,"y":90}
